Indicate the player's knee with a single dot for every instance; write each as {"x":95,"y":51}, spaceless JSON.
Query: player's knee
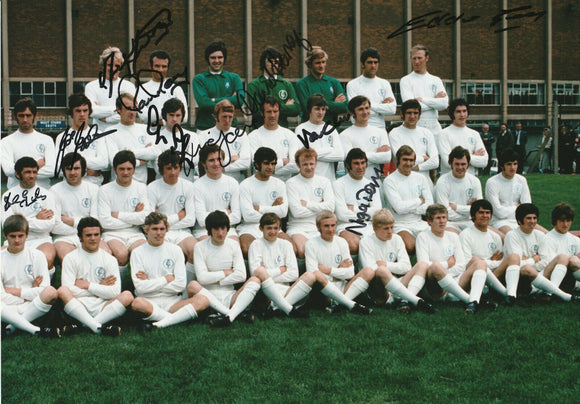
{"x":320,"y":278}
{"x":50,"y":295}
{"x":475,"y":261}
{"x":126,"y":298}
{"x":309,"y":278}
{"x":367,"y":273}
{"x":254,"y":279}
{"x":513,"y":259}
{"x":562,"y":259}
{"x":138,"y":304}
{"x":261,"y":274}
{"x":383,"y":273}
{"x":200,"y":303}
{"x":529,"y":272}
{"x":193,"y":288}
{"x":64,"y":293}
{"x":437,"y":270}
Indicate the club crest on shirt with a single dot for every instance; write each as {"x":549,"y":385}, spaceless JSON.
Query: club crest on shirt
{"x":100,"y":273}
{"x":142,"y":139}
{"x":374,"y":140}
{"x":383,"y":93}
{"x":469,"y":193}
{"x":572,"y":249}
{"x":449,"y":250}
{"x":285,"y":143}
{"x":424,"y":140}
{"x":278,"y":260}
{"x":535,"y":248}
{"x":319,"y":192}
{"x":86,"y":203}
{"x":226,"y":196}
{"x":330,"y":140}
{"x":40,"y":148}
{"x":93,"y":146}
{"x":133,"y":202}
{"x":434,"y":89}
{"x":471,"y":141}
{"x":168,"y":263}
{"x":181,"y":199}
{"x":274,"y":195}
{"x":492,"y":246}
{"x":392,"y":257}
{"x":237,"y":147}
{"x":283,"y":94}
{"x":36,"y":207}
{"x":331,"y":90}
{"x":338,"y":258}
{"x":28,"y":270}
{"x":418,"y":189}
{"x":517,"y":189}
{"x":227,"y":84}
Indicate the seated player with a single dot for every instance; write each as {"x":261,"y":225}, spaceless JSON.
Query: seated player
{"x":308,"y":194}
{"x":330,"y":255}
{"x":370,"y":138}
{"x":319,"y":136}
{"x":271,"y":134}
{"x":122,"y":207}
{"x":219,"y":266}
{"x":564,"y":247}
{"x":91,"y":284}
{"x":233,"y":142}
{"x":158,"y":273}
{"x":26,"y":291}
{"x":174,"y":197}
{"x":408,"y":194}
{"x":531,"y":246}
{"x":36,"y":204}
{"x":441,"y":263}
{"x":76,"y":199}
{"x":383,"y":256}
{"x":458,"y":189}
{"x":215,"y":191}
{"x":357,"y":198}
{"x":259,"y":194}
{"x":481,"y":243}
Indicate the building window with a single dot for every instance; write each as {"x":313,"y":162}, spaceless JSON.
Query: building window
{"x":526,"y":93}
{"x":47,"y":94}
{"x":481,"y":93}
{"x":396,"y":87}
{"x":566,"y":93}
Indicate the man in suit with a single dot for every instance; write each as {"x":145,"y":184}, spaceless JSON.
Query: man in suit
{"x":488,"y":140}
{"x":504,"y":140}
{"x":520,"y":139}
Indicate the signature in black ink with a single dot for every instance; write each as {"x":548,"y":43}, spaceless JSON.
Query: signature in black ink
{"x":169,"y":85}
{"x":81,"y":142}
{"x":22,"y":199}
{"x":292,"y":41}
{"x":310,"y":137}
{"x":438,"y":18}
{"x":362,"y":217}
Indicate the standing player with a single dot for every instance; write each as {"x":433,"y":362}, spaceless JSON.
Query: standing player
{"x":418,"y":138}
{"x":374,"y":141}
{"x":96,"y":154}
{"x":320,"y":136}
{"x":76,"y":199}
{"x":231,"y":140}
{"x":458,"y":134}
{"x":259,"y":194}
{"x":27,"y":142}
{"x":122,"y":206}
{"x":215,"y":85}
{"x":426,"y":89}
{"x":36,"y":204}
{"x":308,"y":194}
{"x":408,"y":194}
{"x":91,"y":284}
{"x":357,"y":199}
{"x":174,"y":197}
{"x":377,"y":91}
{"x":25,"y":286}
{"x":458,"y":189}
{"x":158,"y":273}
{"x":276,"y":137}
{"x":215,"y":191}
{"x":219,"y":266}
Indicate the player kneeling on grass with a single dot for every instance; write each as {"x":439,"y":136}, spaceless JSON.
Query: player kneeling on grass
{"x":440,"y":261}
{"x":219,"y":265}
{"x":91,"y":285}
{"x":383,"y":254}
{"x":531,"y":246}
{"x":329,"y":254}
{"x":26,"y":291}
{"x":158,"y":273}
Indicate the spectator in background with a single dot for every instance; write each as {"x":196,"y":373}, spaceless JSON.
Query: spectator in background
{"x":520,"y":138}
{"x":488,"y":140}
{"x":546,"y":158}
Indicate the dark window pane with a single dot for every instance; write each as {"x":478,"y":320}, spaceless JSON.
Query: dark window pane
{"x":49,"y":87}
{"x":14,"y":87}
{"x":38,"y":100}
{"x":26,"y":87}
{"x":61,"y":100}
{"x":60,"y":87}
{"x":49,"y":100}
{"x":37,"y":87}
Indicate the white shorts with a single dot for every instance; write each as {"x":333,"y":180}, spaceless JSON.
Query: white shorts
{"x":461,"y":225}
{"x":164,"y":302}
{"x":414,"y":228}
{"x":177,"y":236}
{"x":499,"y":223}
{"x":70,"y":239}
{"x":20,"y":307}
{"x":253,"y":229}
{"x":223,"y":295}
{"x":197,"y":233}
{"x":37,"y":242}
{"x":127,"y":237}
{"x":296,"y":230}
{"x":93,"y":304}
{"x":365,"y":231}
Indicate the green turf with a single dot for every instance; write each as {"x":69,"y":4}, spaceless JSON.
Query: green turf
{"x":520,"y":354}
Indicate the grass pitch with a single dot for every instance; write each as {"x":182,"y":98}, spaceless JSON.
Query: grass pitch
{"x":527,"y":353}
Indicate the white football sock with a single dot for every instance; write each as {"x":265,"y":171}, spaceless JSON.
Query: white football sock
{"x":271,"y":291}
{"x":183,"y":314}
{"x":558,"y":274}
{"x":492,"y":281}
{"x":543,"y":283}
{"x":358,"y":286}
{"x":450,"y":285}
{"x":477,"y":284}
{"x":158,"y":314}
{"x":397,"y":288}
{"x":11,"y":316}
{"x":111,"y":311}
{"x":416,"y":284}
{"x":298,"y":292}
{"x":77,"y":310}
{"x":36,"y":308}
{"x":214,"y":302}
{"x":334,"y":293}
{"x":512,"y":278}
{"x":244,"y":299}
